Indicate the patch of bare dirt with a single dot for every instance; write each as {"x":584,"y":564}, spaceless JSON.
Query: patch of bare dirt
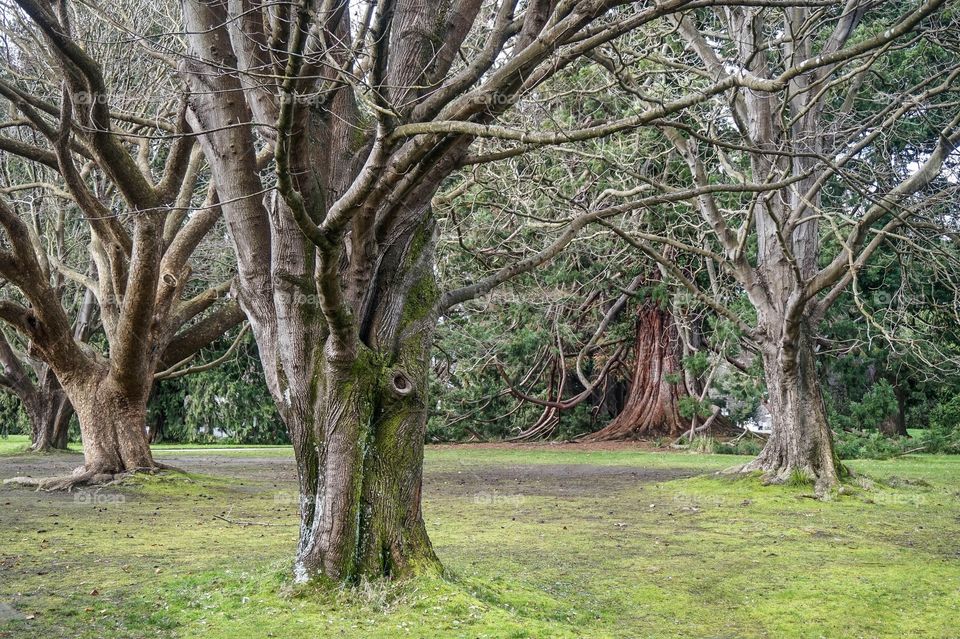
{"x":270,"y":468}
{"x":549,"y":480}
{"x":636,"y":445}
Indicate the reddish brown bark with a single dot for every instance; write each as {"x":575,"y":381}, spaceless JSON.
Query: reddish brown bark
{"x":653,"y":405}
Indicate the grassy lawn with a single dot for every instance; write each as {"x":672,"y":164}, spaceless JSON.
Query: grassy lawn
{"x":14,"y":444}
{"x":546,"y":541}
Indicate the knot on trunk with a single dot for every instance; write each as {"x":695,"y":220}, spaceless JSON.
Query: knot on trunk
{"x":401,"y":385}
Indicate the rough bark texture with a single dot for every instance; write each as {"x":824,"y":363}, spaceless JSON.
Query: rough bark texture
{"x":344,"y":306}
{"x":360,"y":463}
{"x":361,"y":513}
{"x":657,"y":386}
{"x":49,"y":411}
{"x":800,"y":446}
{"x":112,"y":425}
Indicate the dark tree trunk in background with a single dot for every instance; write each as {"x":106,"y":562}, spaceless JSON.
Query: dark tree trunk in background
{"x":49,"y":411}
{"x":895,"y":425}
{"x":653,"y":406}
{"x":44,"y":401}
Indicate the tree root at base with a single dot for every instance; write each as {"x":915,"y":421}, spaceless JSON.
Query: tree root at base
{"x":82,"y":477}
{"x":823,"y":485}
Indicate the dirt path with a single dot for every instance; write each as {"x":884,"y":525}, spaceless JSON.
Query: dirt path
{"x":521,"y":479}
{"x":560,"y":480}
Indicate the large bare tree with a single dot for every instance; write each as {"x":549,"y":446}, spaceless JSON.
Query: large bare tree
{"x":369,"y":107}
{"x":133,"y":187}
{"x":806,"y":167}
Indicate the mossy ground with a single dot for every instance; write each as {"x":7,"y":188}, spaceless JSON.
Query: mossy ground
{"x":538,"y":542}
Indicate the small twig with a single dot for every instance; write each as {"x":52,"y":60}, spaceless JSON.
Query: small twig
{"x":907,"y":452}
{"x":248,"y":523}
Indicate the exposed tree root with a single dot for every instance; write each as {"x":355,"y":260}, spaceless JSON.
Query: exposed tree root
{"x":823,"y":483}
{"x":158,"y":466}
{"x":82,"y":477}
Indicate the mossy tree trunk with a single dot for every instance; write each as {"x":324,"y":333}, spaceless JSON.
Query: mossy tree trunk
{"x":801,"y":443}
{"x":359,"y":450}
{"x":361,"y":474}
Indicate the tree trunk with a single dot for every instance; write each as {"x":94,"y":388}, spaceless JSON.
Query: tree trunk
{"x":49,"y":411}
{"x":653,"y":406}
{"x":361,"y":511}
{"x":49,"y":421}
{"x":895,"y":425}
{"x":800,"y":446}
{"x":361,"y":465}
{"x":61,"y":424}
{"x":112,"y":427}
{"x":112,"y":420}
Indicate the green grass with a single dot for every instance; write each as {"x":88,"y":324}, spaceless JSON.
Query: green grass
{"x":202,"y":447}
{"x":14,"y":444}
{"x":450,"y":457}
{"x":234,"y":450}
{"x":561,"y":553}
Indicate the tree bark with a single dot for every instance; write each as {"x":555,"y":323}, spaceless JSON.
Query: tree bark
{"x":360,"y":465}
{"x":801,"y":443}
{"x":49,"y":411}
{"x":112,"y":426}
{"x":44,"y":401}
{"x":653,"y":405}
{"x":112,"y":418}
{"x":360,"y":515}
{"x":895,"y":425}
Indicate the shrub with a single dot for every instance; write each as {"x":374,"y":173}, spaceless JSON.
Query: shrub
{"x":943,"y":433}
{"x":13,"y":419}
{"x":704,"y":445}
{"x":855,"y":444}
{"x":876,"y":405}
{"x":746,"y":446}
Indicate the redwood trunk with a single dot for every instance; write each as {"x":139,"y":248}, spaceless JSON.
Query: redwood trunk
{"x":801,"y":443}
{"x":653,"y":405}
